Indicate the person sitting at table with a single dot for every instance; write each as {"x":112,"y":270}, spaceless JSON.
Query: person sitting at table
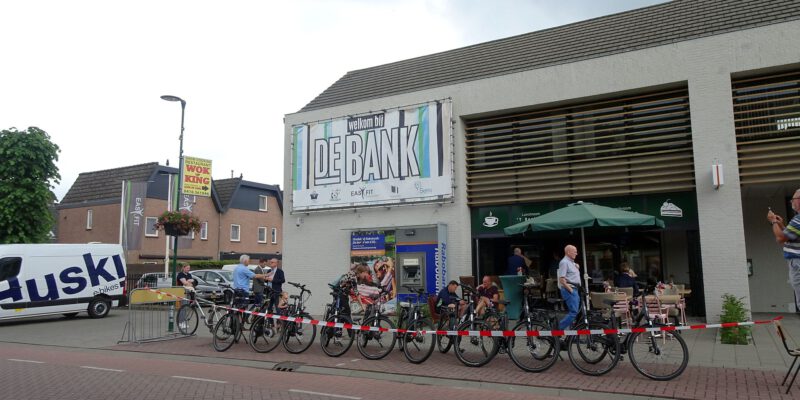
{"x":447,"y":298}
{"x":489,"y":295}
{"x":625,"y":280}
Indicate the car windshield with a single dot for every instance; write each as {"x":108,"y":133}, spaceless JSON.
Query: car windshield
{"x":228,"y":275}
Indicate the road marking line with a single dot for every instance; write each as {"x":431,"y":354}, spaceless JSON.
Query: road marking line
{"x":27,"y":361}
{"x":340,"y":364}
{"x":325,"y":394}
{"x":102,"y":369}
{"x":198,"y":379}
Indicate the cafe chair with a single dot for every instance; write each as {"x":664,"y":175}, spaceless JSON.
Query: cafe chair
{"x":795,"y":353}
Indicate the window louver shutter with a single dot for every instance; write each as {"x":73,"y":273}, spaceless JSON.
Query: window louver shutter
{"x":631,"y":145}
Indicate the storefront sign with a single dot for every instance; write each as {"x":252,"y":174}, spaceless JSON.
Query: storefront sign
{"x":678,"y":210}
{"x":396,"y":156}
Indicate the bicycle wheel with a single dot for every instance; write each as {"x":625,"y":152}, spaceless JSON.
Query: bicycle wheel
{"x":298,"y":337}
{"x":475,"y":351}
{"x":593,"y":354}
{"x":213,"y":315}
{"x":225,"y":332}
{"x":376,"y":345}
{"x":660,"y":356}
{"x":187,"y":320}
{"x":444,"y":342}
{"x":416,"y":346}
{"x":265,"y":335}
{"x":336,"y":341}
{"x":533,"y":353}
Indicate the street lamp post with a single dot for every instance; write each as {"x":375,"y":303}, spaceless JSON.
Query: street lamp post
{"x":180,"y":186}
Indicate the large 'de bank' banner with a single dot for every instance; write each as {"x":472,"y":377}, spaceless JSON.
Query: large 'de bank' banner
{"x":394,"y":156}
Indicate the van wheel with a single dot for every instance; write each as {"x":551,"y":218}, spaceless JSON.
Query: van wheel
{"x":70,"y":315}
{"x":99,"y":308}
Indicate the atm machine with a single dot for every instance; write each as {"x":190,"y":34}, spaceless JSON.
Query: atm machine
{"x":411,"y":271}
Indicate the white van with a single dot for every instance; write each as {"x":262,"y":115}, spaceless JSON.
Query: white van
{"x":50,"y":279}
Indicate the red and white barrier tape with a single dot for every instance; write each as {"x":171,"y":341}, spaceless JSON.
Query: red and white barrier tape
{"x":537,"y":333}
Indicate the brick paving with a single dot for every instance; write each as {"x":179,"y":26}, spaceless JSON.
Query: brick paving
{"x":697,"y":382}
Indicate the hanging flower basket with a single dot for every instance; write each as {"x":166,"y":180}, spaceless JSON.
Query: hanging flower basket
{"x":178,"y":223}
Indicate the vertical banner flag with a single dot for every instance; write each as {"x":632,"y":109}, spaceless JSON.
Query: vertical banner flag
{"x":196,"y":176}
{"x":395,"y":156}
{"x":134,"y":219}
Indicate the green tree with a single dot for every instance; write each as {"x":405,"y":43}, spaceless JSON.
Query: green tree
{"x":27,"y":170}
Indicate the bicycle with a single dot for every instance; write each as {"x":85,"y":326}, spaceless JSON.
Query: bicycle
{"x":336,"y":339}
{"x":533,"y":353}
{"x":588,"y":351}
{"x":230,"y":327}
{"x":265,"y":333}
{"x":660,"y":356}
{"x":376,"y":344}
{"x":448,"y":321}
{"x":296,"y":338}
{"x":473,"y":351}
{"x":191,"y":313}
{"x":417,"y":346}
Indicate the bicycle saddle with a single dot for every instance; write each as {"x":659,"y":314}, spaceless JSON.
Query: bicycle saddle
{"x":294,"y":296}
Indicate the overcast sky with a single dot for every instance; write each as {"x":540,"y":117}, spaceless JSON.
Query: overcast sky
{"x":90,"y":73}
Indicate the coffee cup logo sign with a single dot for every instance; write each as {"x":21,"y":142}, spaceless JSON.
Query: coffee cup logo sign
{"x":491,"y":221}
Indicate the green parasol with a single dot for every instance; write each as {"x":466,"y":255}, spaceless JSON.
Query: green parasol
{"x":583,"y":215}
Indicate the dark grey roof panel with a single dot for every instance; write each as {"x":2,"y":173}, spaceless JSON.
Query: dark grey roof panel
{"x":652,"y":26}
{"x":106,"y":184}
{"x":225,"y":189}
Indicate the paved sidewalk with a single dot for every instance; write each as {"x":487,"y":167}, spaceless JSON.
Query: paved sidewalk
{"x":715,"y":371}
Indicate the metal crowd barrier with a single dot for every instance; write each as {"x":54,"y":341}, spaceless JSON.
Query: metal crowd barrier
{"x":151,"y":316}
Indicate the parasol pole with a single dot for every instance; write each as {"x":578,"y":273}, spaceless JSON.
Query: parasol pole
{"x":585,"y":274}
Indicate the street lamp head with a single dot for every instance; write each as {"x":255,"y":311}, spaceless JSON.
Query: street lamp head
{"x":172,"y":98}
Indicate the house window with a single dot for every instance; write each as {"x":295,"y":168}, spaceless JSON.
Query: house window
{"x":204,"y":230}
{"x":262,"y":203}
{"x":262,"y":234}
{"x":235,"y":232}
{"x":274,"y":235}
{"x":150,"y":227}
{"x":89,"y":218}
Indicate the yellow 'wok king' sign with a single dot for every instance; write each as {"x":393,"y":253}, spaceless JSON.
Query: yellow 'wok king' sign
{"x":196,"y":176}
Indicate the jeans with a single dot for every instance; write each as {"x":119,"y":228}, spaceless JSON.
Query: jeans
{"x":573,"y":302}
{"x":258,"y":299}
{"x":794,"y":279}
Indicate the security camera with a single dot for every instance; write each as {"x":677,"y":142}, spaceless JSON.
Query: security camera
{"x":299,"y":221}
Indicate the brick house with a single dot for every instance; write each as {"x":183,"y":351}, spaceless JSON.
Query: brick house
{"x":240,"y":217}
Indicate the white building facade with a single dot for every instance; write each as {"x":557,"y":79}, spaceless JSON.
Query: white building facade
{"x":630,"y":111}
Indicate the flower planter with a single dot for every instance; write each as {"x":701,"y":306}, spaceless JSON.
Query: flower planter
{"x":175,"y":230}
